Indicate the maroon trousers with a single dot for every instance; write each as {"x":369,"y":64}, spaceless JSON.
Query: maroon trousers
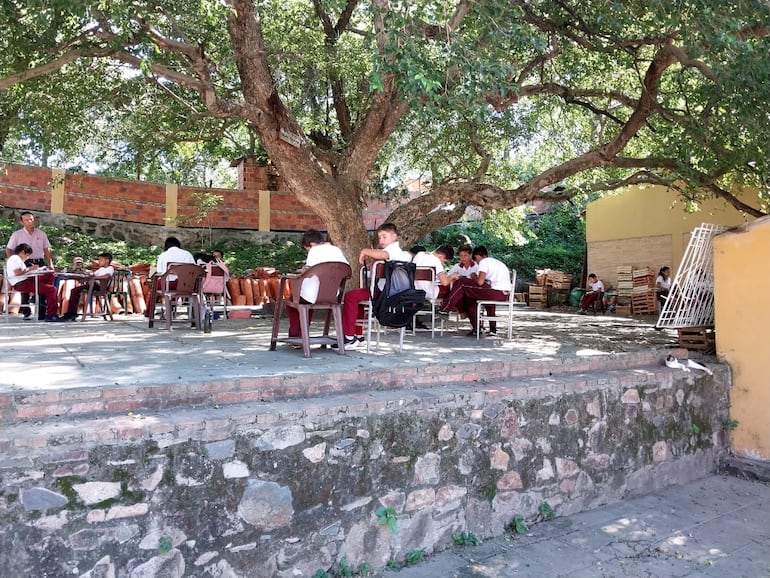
{"x":464,"y":295}
{"x":46,"y":289}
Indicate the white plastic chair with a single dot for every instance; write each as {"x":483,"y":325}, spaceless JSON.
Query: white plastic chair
{"x":428,"y":274}
{"x":376,"y":274}
{"x":504,"y":316}
{"x":8,"y":293}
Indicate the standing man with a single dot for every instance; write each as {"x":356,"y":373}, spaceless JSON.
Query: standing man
{"x":41,"y":256}
{"x":35,"y":238}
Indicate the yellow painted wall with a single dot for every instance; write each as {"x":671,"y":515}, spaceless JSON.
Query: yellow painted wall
{"x":647,"y":226}
{"x":742,"y":322}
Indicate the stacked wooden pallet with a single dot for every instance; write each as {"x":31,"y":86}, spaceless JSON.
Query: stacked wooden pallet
{"x":643,"y":291}
{"x":697,"y":339}
{"x":559,"y":280}
{"x":625,"y":289}
{"x":553,"y":278}
{"x":538,"y":296}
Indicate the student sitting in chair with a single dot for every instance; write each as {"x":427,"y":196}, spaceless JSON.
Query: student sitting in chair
{"x":101,"y":275}
{"x":18,"y":277}
{"x":594,"y":291}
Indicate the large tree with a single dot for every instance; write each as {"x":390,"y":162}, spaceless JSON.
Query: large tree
{"x":496,"y":101}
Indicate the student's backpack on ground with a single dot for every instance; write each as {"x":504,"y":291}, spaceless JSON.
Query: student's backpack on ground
{"x":398,"y":301}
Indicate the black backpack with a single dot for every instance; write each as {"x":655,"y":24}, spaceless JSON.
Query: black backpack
{"x":398,"y":301}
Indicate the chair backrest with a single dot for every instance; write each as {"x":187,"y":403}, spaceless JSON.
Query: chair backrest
{"x":215,"y":280}
{"x":119,"y":281}
{"x":332,"y":277}
{"x":188,"y":279}
{"x":425,"y":274}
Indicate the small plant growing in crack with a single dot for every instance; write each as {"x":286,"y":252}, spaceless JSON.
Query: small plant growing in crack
{"x":465,"y":539}
{"x":165,"y":544}
{"x":414,"y":557}
{"x":545,"y":511}
{"x":517,"y":525}
{"x":729,"y":424}
{"x":387,"y":516}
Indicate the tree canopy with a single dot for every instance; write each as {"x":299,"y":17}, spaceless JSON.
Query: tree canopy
{"x":496,"y":103}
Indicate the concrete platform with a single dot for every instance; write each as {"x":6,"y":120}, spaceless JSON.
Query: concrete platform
{"x":96,"y":367}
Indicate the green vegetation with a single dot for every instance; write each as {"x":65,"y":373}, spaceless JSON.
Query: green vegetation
{"x":241,"y":256}
{"x":414,"y":557}
{"x":165,"y":544}
{"x":387,"y":516}
{"x":524,"y":240}
{"x":730,"y":424}
{"x":465,"y":539}
{"x":545,"y":511}
{"x":517,"y":525}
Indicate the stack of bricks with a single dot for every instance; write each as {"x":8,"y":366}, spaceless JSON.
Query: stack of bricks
{"x":643,"y":291}
{"x":625,"y":289}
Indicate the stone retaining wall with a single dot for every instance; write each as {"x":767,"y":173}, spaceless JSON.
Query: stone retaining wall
{"x":292,"y":487}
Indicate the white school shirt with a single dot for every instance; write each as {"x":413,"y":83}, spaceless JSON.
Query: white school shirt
{"x":323,"y":253}
{"x":498,"y":275}
{"x":464,"y":271}
{"x":425,"y":259}
{"x":173,"y":255}
{"x":598,"y":286}
{"x":14,"y":262}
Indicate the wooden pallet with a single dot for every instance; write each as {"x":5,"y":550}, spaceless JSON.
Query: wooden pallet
{"x":538,"y":296}
{"x":697,"y":338}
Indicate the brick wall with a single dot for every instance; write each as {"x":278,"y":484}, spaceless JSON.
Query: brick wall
{"x":33,"y":188}
{"x":604,"y":257}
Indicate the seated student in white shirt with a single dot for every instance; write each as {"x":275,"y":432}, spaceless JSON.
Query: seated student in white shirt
{"x":172,"y":253}
{"x":595,"y":291}
{"x":101,"y":275}
{"x":434,"y":260}
{"x":492,"y":283}
{"x":17,"y":275}
{"x":318,"y":251}
{"x":466,"y":267}
{"x":387,"y":238}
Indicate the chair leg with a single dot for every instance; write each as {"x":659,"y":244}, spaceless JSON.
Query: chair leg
{"x":304,"y":330}
{"x":169,"y":313}
{"x":337,"y":312}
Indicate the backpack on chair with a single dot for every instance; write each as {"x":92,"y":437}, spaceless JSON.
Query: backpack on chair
{"x":398,"y":301}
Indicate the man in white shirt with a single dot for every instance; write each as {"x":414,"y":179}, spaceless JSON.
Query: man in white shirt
{"x":318,"y":251}
{"x":493,"y":283}
{"x":172,"y":253}
{"x":434,"y":260}
{"x":387,"y":237}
